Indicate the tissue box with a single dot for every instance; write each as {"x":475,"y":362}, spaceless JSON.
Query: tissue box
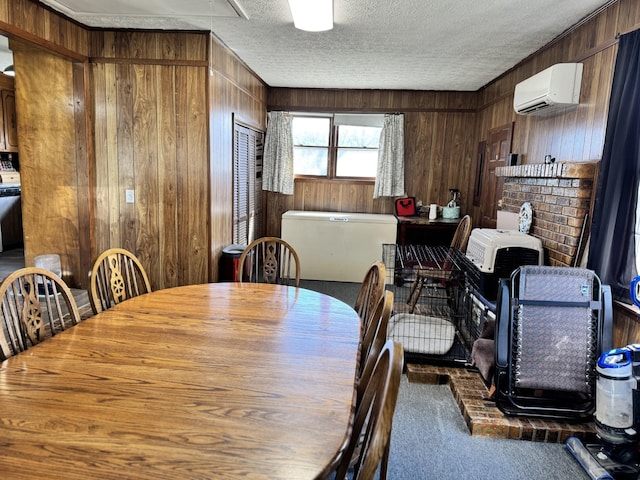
{"x":450,"y":212}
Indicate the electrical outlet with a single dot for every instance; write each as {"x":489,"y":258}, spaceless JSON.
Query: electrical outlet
{"x":129,"y":196}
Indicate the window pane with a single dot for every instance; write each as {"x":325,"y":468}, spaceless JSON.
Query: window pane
{"x":358,"y":137}
{"x":310,"y":131}
{"x":310,"y":161}
{"x":357,"y":163}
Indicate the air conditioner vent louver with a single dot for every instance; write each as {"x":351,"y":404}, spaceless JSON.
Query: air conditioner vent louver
{"x":556,"y":87}
{"x":535,"y":107}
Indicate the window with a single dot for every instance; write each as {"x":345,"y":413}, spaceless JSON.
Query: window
{"x":336,"y":146}
{"x":310,"y":145}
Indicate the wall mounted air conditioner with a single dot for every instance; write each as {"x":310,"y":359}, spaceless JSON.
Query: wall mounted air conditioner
{"x":556,"y":87}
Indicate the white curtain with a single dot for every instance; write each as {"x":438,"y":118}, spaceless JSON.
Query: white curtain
{"x":277,"y":170}
{"x":390,"y":175}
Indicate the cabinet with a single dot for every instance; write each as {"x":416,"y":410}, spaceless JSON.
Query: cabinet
{"x":10,"y":121}
{"x":9,"y":128}
{"x":422,"y":231}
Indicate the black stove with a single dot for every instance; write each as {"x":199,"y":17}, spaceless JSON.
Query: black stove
{"x":9,"y":189}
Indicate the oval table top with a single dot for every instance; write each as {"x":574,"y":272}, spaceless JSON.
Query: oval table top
{"x":223,"y":380}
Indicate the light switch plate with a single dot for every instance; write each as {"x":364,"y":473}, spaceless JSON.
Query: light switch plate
{"x":129,"y":196}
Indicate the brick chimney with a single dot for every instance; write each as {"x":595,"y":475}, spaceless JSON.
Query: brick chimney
{"x":561,"y":196}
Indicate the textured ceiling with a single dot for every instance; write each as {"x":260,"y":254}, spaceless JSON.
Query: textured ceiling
{"x":375,"y":44}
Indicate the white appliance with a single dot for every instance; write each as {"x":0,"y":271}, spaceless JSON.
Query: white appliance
{"x":556,"y":87}
{"x":488,"y":248}
{"x":336,"y":246}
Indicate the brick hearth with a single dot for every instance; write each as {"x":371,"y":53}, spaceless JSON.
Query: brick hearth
{"x":482,"y":416}
{"x":561,"y":197}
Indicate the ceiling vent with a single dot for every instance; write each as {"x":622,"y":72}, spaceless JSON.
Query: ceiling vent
{"x":554,"y":88}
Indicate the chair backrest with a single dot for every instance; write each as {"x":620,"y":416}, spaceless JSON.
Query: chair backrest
{"x":36,"y":304}
{"x":371,"y":431}
{"x":371,"y":291}
{"x":116,"y":276}
{"x":556,"y":301}
{"x":552,"y":324}
{"x":269,"y":260}
{"x":374,"y":334}
{"x":461,"y":236}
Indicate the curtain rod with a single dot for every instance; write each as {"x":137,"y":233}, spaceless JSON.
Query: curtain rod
{"x":309,"y":112}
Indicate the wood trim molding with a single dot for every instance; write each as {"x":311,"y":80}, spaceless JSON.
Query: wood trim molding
{"x":294,"y":108}
{"x":148,"y":61}
{"x":19,"y":34}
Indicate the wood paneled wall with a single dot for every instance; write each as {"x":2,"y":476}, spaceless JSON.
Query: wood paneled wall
{"x":235,"y":95}
{"x":577,"y":134}
{"x":32,"y":22}
{"x":151,"y":122}
{"x":626,"y":326}
{"x":49,"y":168}
{"x":52,"y":133}
{"x":162,"y":107}
{"x":439,"y":149}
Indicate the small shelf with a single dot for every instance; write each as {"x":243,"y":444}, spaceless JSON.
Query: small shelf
{"x":550,"y":170}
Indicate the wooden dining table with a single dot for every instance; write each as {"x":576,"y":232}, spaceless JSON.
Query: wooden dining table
{"x":215,"y":381}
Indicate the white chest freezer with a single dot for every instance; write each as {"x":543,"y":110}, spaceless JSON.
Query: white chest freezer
{"x":336,"y":246}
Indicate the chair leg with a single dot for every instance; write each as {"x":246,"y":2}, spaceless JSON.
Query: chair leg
{"x":412,"y":290}
{"x":384,"y":463}
{"x":414,"y":294}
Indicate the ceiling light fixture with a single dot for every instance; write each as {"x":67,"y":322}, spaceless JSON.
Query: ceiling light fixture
{"x":312,"y":15}
{"x":9,"y":71}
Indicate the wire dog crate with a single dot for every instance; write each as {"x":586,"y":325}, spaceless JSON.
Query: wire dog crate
{"x":432,"y":314}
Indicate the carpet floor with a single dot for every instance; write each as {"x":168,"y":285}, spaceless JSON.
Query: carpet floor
{"x":430,"y":439}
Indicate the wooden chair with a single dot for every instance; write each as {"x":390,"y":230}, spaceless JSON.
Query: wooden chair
{"x":269,"y":260}
{"x":373,"y":341}
{"x":36,"y":304}
{"x":374,"y":334}
{"x":371,"y":291}
{"x":440,"y":277}
{"x":116,"y":276}
{"x":368,"y":446}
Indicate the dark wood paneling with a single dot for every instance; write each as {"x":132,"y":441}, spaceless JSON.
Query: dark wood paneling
{"x":439,"y":149}
{"x":30,"y":21}
{"x":235,"y":93}
{"x":577,"y":134}
{"x":626,"y":329}
{"x":151,"y":121}
{"x":53,"y":131}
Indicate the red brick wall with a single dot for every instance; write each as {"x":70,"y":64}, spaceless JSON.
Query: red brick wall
{"x":561,"y":196}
